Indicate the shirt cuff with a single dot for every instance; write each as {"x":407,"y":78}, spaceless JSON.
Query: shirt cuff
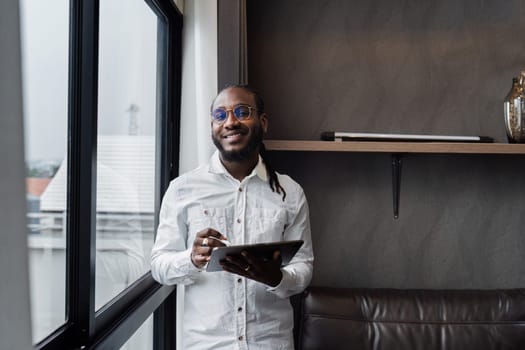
{"x":287,"y":283}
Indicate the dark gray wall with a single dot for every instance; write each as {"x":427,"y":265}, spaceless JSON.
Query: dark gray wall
{"x":439,"y":67}
{"x":401,"y":66}
{"x":228,"y":37}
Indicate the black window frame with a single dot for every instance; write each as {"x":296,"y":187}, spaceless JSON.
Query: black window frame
{"x":112,"y":325}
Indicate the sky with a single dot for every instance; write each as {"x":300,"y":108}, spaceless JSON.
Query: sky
{"x":127,"y":57}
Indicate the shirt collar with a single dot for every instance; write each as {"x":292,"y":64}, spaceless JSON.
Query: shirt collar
{"x":216,"y":167}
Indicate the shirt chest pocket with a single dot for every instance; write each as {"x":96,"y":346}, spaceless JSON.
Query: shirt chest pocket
{"x":200,"y":218}
{"x":266,"y":225}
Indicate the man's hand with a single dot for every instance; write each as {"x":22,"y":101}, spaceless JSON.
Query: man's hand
{"x":250,"y":266}
{"x":203,"y":245}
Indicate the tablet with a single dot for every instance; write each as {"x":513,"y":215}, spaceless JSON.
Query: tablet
{"x":263,"y":250}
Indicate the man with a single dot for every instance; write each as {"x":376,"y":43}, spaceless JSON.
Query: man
{"x":238,"y":197}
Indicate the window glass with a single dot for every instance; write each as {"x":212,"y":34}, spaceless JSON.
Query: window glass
{"x":44,"y":30}
{"x":142,"y":339}
{"x":126,"y":145}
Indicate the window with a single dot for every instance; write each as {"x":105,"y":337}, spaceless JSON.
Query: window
{"x":126,"y":140}
{"x":101,"y":95}
{"x":44,"y":28}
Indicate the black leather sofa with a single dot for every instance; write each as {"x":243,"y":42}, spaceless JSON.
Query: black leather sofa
{"x":392,"y":319}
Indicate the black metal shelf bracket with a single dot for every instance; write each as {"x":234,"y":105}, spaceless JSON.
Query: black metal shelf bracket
{"x":396,"y":182}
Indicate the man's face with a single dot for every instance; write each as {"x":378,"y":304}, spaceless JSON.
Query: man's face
{"x":238,"y":140}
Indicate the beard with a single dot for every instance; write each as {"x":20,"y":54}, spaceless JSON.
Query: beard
{"x":244,"y":153}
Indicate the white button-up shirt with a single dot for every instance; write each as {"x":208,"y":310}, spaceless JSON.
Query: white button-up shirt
{"x":223,"y":310}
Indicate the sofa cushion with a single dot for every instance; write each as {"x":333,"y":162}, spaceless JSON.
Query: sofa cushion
{"x":381,"y":319}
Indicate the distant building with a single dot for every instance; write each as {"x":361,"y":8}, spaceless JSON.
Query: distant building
{"x":125,"y":187}
{"x":35,"y":187}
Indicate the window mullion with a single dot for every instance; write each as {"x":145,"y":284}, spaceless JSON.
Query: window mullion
{"x":170,"y":73}
{"x":82,"y":134}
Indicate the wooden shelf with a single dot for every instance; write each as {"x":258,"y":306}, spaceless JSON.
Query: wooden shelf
{"x":394,"y":147}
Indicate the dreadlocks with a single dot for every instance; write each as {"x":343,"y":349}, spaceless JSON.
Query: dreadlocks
{"x":274,"y":181}
{"x":259,"y":104}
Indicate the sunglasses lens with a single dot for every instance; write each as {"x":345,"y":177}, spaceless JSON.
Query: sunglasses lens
{"x":219,"y":115}
{"x":241,"y":112}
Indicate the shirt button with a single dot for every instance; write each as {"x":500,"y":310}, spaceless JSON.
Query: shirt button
{"x":241,"y":337}
{"x":240,"y":189}
{"x":239,"y":280}
{"x":239,"y":221}
{"x":239,"y":309}
{"x":205,"y":212}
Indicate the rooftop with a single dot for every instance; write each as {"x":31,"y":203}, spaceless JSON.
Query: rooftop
{"x":125,"y":176}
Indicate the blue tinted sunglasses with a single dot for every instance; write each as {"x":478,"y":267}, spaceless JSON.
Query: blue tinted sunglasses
{"x":240,"y":112}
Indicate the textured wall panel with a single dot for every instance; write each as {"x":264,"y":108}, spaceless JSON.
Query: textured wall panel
{"x":440,"y":67}
{"x":394,"y":66}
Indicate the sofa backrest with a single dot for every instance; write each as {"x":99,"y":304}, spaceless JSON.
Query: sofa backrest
{"x":390,"y":319}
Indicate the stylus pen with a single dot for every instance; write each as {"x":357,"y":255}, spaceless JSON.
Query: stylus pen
{"x":223,"y":241}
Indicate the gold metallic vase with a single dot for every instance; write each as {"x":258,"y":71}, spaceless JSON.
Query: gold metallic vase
{"x":515,"y":110}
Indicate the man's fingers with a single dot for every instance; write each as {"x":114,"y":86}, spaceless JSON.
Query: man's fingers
{"x":235,"y":262}
{"x":277,"y":255}
{"x":203,"y":244}
{"x":209,"y":232}
{"x":199,"y":250}
{"x":236,"y":269}
{"x":199,"y":260}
